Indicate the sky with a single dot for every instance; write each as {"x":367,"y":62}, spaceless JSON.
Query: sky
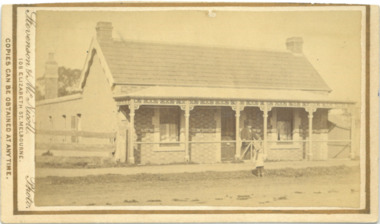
{"x":332,"y":40}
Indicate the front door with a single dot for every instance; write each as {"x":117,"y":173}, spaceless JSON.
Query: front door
{"x":228,"y":134}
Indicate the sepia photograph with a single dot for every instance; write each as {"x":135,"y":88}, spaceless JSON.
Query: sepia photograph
{"x":198,"y":108}
{"x":190,"y":110}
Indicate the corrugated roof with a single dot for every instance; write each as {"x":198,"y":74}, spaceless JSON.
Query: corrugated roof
{"x":180,"y":65}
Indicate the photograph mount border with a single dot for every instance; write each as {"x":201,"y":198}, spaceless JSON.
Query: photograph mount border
{"x":366,"y":209}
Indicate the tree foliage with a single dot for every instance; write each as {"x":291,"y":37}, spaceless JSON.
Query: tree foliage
{"x":68,"y":80}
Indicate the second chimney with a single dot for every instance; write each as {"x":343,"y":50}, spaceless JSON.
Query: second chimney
{"x":104,"y":31}
{"x":295,"y":45}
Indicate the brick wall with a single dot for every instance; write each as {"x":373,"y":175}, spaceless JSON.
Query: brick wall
{"x":145,"y":132}
{"x":203,"y":127}
{"x":144,"y":124}
{"x":204,"y":123}
{"x":150,"y":156}
{"x":288,"y":154}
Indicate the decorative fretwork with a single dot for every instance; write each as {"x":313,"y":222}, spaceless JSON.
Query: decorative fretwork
{"x":190,"y":107}
{"x":233,"y":103}
{"x":311,"y":109}
{"x":238,"y":107}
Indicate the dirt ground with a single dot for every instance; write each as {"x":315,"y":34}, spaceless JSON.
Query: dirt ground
{"x":310,"y":187}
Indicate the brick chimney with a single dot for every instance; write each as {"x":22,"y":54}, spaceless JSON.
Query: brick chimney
{"x":51,"y":77}
{"x":104,"y":31}
{"x":295,"y":45}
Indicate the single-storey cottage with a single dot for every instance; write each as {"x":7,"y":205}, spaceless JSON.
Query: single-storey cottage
{"x":176,"y":103}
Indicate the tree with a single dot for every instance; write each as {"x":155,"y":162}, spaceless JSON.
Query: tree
{"x":68,"y":83}
{"x":68,"y":80}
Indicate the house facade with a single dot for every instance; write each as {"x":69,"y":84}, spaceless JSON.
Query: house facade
{"x":174,"y":103}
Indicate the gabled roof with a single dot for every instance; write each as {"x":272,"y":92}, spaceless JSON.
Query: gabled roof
{"x":180,"y":65}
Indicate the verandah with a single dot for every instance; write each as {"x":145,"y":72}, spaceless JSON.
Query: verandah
{"x":129,"y":107}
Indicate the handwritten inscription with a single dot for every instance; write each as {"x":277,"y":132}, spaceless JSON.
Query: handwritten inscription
{"x":30,"y":23}
{"x":26,"y":87}
{"x":29,"y":191}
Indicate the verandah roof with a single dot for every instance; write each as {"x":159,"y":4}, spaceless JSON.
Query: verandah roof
{"x":168,"y":92}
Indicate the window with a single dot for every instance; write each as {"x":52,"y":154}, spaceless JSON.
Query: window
{"x":169,"y":125}
{"x":284,"y":124}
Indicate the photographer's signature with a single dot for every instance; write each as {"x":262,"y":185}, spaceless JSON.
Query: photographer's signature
{"x":30,"y":187}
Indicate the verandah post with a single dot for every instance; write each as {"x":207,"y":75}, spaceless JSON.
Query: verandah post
{"x":310,"y":110}
{"x":131,"y":132}
{"x":237,"y":108}
{"x":265,"y":109}
{"x":187,"y":126}
{"x":265,"y":120}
